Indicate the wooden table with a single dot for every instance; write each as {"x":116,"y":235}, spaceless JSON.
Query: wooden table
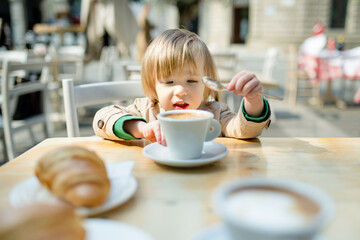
{"x":40,"y":28}
{"x":174,"y":203}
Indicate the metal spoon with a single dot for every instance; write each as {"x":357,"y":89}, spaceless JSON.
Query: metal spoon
{"x":216,"y":85}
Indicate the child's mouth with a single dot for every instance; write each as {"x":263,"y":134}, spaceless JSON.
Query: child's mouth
{"x":180,"y":105}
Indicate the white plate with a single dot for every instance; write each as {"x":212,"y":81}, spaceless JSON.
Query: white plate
{"x":123,"y":187}
{"x":112,"y":230}
{"x":212,"y":152}
{"x":219,"y":232}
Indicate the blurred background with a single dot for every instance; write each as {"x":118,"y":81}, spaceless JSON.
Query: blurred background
{"x":305,"y":51}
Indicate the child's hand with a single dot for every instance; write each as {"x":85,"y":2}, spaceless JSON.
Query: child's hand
{"x":152,"y":131}
{"x":246,"y":84}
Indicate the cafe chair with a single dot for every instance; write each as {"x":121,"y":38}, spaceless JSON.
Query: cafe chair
{"x":10,"y":92}
{"x":132,"y":71}
{"x":227,"y":64}
{"x":14,"y":56}
{"x":101,"y":70}
{"x":67,"y":62}
{"x":109,"y":54}
{"x":298,"y":82}
{"x":267,"y":73}
{"x":93,"y":94}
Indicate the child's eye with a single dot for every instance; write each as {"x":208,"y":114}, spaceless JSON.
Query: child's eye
{"x":169,"y":82}
{"x":192,"y":81}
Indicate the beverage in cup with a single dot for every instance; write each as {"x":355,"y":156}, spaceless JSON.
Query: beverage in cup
{"x":186,"y":131}
{"x":272,"y":209}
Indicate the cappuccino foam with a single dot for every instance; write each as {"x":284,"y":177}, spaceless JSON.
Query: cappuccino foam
{"x":186,"y":115}
{"x":270,"y":209}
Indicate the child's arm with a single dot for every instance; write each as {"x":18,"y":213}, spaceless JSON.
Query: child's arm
{"x":109,"y":121}
{"x":246,"y":84}
{"x":241,"y":125}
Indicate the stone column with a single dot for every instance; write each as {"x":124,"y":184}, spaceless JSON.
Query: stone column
{"x":18,"y":22}
{"x":216,"y":23}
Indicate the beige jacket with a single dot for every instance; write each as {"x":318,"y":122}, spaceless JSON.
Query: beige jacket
{"x":232,"y":124}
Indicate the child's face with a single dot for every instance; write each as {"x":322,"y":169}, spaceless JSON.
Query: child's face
{"x":182,"y":90}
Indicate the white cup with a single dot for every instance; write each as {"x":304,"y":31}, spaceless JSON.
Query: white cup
{"x":272,"y":209}
{"x":186,"y":131}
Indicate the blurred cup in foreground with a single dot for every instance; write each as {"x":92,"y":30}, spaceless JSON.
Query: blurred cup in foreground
{"x":186,"y":131}
{"x":272,"y":209}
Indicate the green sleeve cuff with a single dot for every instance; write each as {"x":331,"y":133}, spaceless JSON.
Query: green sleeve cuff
{"x":264,"y":115}
{"x":118,"y":128}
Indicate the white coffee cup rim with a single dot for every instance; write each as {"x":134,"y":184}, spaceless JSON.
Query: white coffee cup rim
{"x":163,"y":115}
{"x":325,"y":203}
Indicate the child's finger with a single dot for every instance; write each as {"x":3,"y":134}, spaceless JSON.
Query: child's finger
{"x":161,"y":139}
{"x":148,"y":135}
{"x":255,"y":91}
{"x":251,"y":86}
{"x":231,"y":85}
{"x":159,"y":135}
{"x":242,"y":82}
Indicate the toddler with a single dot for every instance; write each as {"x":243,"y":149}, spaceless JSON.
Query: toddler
{"x":171,"y":73}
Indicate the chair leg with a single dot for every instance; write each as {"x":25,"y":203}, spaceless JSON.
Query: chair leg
{"x":46,"y":130}
{"x":292,"y":91}
{"x":315,"y":98}
{"x":353,"y":87}
{"x":10,"y":150}
{"x":4,"y":148}
{"x":273,"y":116}
{"x":48,"y":125}
{"x":32,"y":135}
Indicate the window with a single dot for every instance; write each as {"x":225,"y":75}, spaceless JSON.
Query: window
{"x":240,"y":24}
{"x":338,"y":13}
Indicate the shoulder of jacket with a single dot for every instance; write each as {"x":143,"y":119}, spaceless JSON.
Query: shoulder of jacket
{"x":143,"y":101}
{"x":216,"y":105}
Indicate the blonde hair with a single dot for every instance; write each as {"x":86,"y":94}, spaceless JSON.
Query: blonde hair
{"x":172,"y":50}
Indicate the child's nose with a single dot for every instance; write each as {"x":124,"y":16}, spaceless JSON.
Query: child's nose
{"x":180,"y":90}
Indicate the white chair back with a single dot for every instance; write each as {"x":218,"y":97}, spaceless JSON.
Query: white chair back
{"x":94,"y":94}
{"x":9,"y":92}
{"x":14,"y":56}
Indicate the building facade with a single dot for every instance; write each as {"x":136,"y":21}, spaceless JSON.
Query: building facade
{"x":258,"y":23}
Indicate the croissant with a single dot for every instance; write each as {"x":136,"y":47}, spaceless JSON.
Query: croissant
{"x":41,"y":222}
{"x":74,"y":174}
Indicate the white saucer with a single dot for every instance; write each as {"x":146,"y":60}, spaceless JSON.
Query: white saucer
{"x":105,"y":229}
{"x":212,"y":152}
{"x":214,"y":232}
{"x":219,"y":232}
